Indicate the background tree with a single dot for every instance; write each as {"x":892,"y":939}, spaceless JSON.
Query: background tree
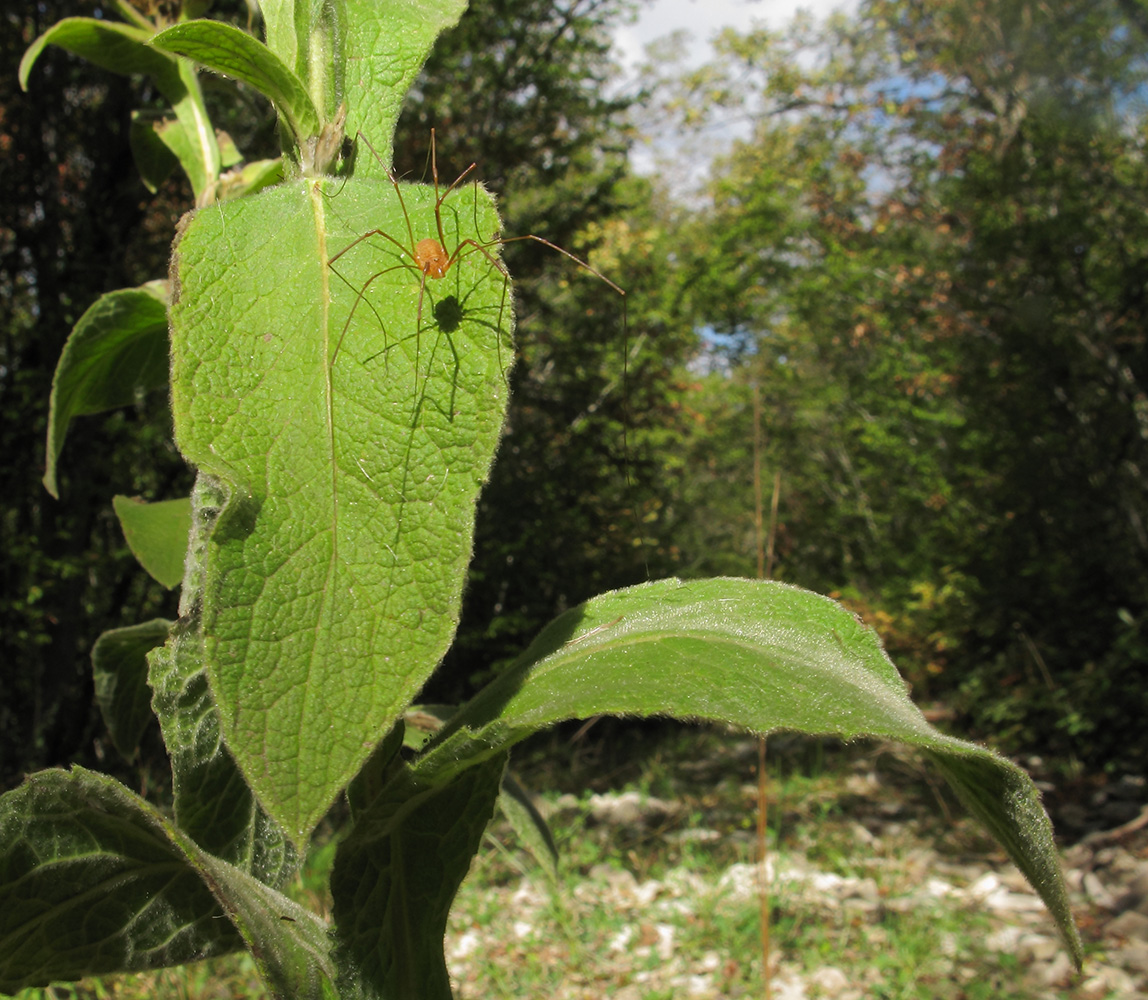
{"x":929,"y":258}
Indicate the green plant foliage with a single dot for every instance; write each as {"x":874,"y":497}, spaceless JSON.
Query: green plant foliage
{"x":356,"y":412}
{"x":362,"y":54}
{"x":776,"y":657}
{"x":235,"y":53}
{"x":529,"y":824}
{"x":290,"y":944}
{"x":119,"y":668}
{"x":92,"y":882}
{"x":213,"y":804}
{"x":398,"y":871}
{"x":117,"y":349}
{"x":340,"y":388}
{"x":124,"y":49}
{"x":157,"y":535}
{"x":120,"y":48}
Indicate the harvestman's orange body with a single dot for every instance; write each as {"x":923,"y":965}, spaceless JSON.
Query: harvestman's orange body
{"x":430,"y":257}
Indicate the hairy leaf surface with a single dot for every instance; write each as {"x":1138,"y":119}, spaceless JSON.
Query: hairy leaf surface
{"x":764,"y":656}
{"x":348,"y":413}
{"x":91,"y":882}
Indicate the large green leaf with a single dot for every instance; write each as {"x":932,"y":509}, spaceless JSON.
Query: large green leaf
{"x":121,"y":48}
{"x":765,"y":656}
{"x":348,"y":444}
{"x":117,"y":349}
{"x":362,"y":54}
{"x":91,"y":883}
{"x":395,"y":877}
{"x":94,"y":880}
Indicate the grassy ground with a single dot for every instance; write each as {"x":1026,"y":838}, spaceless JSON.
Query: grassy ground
{"x":670,"y":907}
{"x":668,"y":904}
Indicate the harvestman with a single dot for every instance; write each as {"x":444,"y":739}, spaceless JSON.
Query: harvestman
{"x":429,"y":256}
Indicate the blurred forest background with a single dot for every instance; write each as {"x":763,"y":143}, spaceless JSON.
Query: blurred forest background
{"x":919,"y":280}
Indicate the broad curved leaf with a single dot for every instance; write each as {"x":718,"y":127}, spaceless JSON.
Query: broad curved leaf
{"x":225,"y":49}
{"x":94,"y":880}
{"x":120,"y":48}
{"x":764,"y":656}
{"x":123,"y":48}
{"x":118,"y":348}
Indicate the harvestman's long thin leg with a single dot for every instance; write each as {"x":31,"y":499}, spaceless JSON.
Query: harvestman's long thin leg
{"x":502,"y":241}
